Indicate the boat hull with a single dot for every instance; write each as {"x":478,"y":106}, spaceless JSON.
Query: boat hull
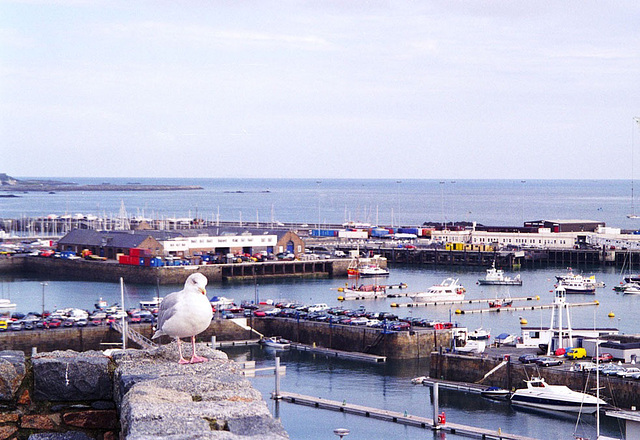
{"x":553,"y":404}
{"x":500,"y":283}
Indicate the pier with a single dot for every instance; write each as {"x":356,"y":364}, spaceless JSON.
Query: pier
{"x":395,"y":417}
{"x":330,"y":352}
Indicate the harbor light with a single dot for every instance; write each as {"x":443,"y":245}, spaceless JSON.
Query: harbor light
{"x":611,"y":315}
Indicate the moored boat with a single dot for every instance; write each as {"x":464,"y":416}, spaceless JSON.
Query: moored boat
{"x":497,"y":277}
{"x":495,"y":393}
{"x":368,"y":267}
{"x":539,"y":394}
{"x":577,"y":283}
{"x":151,"y":304}
{"x":447,"y":290}
{"x":276,"y":342}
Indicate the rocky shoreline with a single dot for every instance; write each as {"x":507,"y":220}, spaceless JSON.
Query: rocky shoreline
{"x":101,"y":187}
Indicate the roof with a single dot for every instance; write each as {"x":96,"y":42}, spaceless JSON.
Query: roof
{"x":120,"y":239}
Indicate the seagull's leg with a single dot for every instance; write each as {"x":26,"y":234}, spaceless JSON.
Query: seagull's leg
{"x":195,"y":358}
{"x":182,"y":359}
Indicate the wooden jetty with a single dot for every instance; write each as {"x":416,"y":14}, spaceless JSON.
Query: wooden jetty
{"x":395,"y":417}
{"x":222,"y":344}
{"x":330,"y":352}
{"x":457,"y":386}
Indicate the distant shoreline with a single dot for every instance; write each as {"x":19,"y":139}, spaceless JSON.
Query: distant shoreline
{"x":102,"y":187}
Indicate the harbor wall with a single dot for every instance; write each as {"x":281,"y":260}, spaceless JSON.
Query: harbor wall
{"x":395,"y":345}
{"x":623,"y":393}
{"x":111,"y":271}
{"x":131,"y":395}
{"x":102,"y":337}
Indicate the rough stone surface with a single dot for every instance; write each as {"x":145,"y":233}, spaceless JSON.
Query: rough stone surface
{"x":92,"y":419}
{"x":36,"y":421}
{"x":9,"y":417}
{"x":12,"y":372}
{"x":71,"y":376}
{"x":163,"y":400}
{"x":69,"y":435}
{"x":7,"y":431}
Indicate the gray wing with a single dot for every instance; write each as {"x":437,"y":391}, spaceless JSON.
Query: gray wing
{"x":166,"y":310}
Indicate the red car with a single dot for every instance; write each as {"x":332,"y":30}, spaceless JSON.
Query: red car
{"x":259,"y":314}
{"x":604,"y":357}
{"x":55,"y":323}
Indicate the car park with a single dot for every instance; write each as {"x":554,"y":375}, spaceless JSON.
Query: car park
{"x":627,"y":372}
{"x":16,"y":326}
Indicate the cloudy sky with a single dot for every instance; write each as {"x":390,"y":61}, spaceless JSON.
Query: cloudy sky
{"x":388,"y":89}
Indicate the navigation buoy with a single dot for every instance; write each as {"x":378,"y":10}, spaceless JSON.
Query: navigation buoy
{"x":611,"y":315}
{"x":596,"y":302}
{"x":458,"y":312}
{"x":341,"y":298}
{"x":523,"y":321}
{"x":340,"y":289}
{"x":394,"y":304}
{"x":537,"y":297}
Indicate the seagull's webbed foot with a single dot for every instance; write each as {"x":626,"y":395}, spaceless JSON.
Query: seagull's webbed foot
{"x":195,"y":359}
{"x":183,"y":361}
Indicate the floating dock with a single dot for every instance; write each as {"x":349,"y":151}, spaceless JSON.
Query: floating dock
{"x":395,"y":417}
{"x":457,"y":386}
{"x":330,"y":352}
{"x":458,"y":301}
{"x":222,"y":344}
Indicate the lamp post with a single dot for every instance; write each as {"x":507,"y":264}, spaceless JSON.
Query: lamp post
{"x":43,"y":284}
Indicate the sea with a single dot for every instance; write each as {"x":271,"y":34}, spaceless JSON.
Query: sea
{"x":317,"y":202}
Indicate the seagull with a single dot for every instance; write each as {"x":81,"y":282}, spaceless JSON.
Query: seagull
{"x":186,"y":313}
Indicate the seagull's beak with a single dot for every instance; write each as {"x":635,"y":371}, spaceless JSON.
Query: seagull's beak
{"x":203,"y":291}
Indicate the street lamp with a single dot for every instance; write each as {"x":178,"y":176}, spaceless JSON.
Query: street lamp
{"x":43,"y":285}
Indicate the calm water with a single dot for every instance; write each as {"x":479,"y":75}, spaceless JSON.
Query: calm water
{"x":406,"y":202}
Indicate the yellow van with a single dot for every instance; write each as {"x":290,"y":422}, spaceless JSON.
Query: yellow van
{"x":576,"y":353}
{"x":3,"y":326}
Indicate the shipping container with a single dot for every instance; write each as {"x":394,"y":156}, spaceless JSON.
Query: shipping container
{"x":408,"y":231}
{"x":324,"y":233}
{"x":379,"y":232}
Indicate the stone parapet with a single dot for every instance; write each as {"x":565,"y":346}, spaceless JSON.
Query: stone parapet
{"x":133,"y":394}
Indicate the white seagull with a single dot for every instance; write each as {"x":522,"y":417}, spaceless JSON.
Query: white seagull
{"x":186,"y":313}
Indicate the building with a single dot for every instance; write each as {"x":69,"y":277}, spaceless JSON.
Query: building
{"x":184,"y":243}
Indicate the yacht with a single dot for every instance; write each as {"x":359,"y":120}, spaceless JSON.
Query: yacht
{"x":497,"y":277}
{"x":539,"y":394}
{"x":447,"y":290}
{"x":151,"y":304}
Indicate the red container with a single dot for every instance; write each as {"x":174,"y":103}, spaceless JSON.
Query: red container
{"x":134,"y":252}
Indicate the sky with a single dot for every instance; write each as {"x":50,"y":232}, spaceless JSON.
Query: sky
{"x":309,"y":89}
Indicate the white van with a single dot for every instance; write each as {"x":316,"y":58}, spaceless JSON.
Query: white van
{"x":318,"y":308}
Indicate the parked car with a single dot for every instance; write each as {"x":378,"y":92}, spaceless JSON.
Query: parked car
{"x":16,"y":326}
{"x":604,"y":357}
{"x":628,"y":372}
{"x":528,"y":358}
{"x":68,"y":323}
{"x":548,"y":361}
{"x":3,"y":326}
{"x":54,"y":323}
{"x":82,"y":322}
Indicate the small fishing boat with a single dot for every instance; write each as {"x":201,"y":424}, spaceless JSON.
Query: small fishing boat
{"x":506,"y":339}
{"x":500,"y":302}
{"x":630,"y":288}
{"x":418,"y":380}
{"x":101,"y":304}
{"x":496,"y":277}
{"x":368,"y":267}
{"x":221,"y":302}
{"x":495,"y":393}
{"x":276,"y":342}
{"x":573,"y":283}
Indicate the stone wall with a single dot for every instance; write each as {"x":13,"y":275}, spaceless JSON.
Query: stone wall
{"x":133,"y":394}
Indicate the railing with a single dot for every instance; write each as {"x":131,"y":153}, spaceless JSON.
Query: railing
{"x":136,"y":337}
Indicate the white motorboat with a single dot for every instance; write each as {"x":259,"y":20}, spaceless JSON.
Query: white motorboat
{"x":276,"y":342}
{"x":495,"y":393}
{"x":497,"y":277}
{"x":368,"y":267}
{"x":480,"y":334}
{"x":151,"y":304}
{"x":447,"y":290}
{"x":577,"y":283}
{"x":539,"y":394}
{"x":506,"y":339}
{"x":630,"y":288}
{"x":418,"y":380}
{"x":473,"y":346}
{"x":7,"y":304}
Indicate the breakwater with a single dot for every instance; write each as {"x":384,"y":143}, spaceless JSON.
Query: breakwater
{"x":394,"y":345}
{"x":111,"y":271}
{"x":133,"y":394}
{"x":623,"y":393}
